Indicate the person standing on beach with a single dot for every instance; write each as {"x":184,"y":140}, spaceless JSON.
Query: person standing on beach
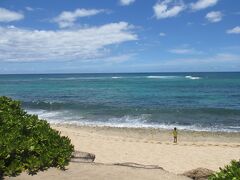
{"x":175,"y":133}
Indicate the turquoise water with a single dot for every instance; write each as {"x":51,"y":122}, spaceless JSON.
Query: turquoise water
{"x":194,"y":101}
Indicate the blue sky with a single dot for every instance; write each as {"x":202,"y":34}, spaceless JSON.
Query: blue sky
{"x":88,"y":36}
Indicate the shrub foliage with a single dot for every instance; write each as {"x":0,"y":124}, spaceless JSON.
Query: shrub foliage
{"x":231,"y":172}
{"x":27,"y":143}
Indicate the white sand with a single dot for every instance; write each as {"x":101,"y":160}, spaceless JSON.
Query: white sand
{"x":90,"y":171}
{"x":142,"y":146}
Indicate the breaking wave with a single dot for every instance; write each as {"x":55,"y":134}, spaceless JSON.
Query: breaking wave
{"x":126,"y":121}
{"x":192,"y":77}
{"x":163,"y":77}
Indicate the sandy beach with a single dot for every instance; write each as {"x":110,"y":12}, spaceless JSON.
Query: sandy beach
{"x":155,"y":147}
{"x":98,"y":171}
{"x":148,"y":147}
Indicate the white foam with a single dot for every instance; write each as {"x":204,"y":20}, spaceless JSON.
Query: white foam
{"x":130,"y":119}
{"x":141,"y":121}
{"x":116,"y":77}
{"x":43,"y":114}
{"x":162,"y":77}
{"x":192,"y":77}
{"x":153,"y":126}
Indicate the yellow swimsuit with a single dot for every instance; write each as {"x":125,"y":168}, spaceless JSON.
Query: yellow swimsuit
{"x":174,"y":133}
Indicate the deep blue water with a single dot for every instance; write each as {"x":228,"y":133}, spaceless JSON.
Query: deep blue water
{"x":196,"y":101}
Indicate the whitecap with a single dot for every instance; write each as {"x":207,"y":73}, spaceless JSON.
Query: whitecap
{"x":116,"y":77}
{"x":127,"y":121}
{"x":192,"y":77}
{"x":162,"y":77}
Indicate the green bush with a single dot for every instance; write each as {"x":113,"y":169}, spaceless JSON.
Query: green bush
{"x":229,"y":172}
{"x":27,"y":143}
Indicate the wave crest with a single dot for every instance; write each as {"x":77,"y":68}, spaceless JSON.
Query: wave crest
{"x":192,"y":77}
{"x":116,"y":77}
{"x":162,"y":77}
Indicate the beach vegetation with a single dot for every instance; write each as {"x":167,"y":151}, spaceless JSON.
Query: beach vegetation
{"x":231,"y":171}
{"x":28,"y":143}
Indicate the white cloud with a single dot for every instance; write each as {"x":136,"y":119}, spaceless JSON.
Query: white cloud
{"x":202,"y":4}
{"x":28,"y":8}
{"x":167,"y":8}
{"x":18,"y":44}
{"x":67,"y":18}
{"x":184,"y":51}
{"x":8,"y":16}
{"x":126,"y":2}
{"x":162,"y":34}
{"x":235,"y":30}
{"x":214,"y":16}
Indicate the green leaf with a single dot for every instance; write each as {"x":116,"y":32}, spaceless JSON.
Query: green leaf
{"x":28,"y":143}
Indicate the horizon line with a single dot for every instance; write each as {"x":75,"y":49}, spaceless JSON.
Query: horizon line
{"x":119,"y":72}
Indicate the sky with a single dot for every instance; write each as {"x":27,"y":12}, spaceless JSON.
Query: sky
{"x":110,"y":36}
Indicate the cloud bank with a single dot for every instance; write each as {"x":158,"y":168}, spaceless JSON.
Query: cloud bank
{"x":18,"y":44}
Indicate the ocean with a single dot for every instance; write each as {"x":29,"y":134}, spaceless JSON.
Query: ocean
{"x":189,"y":101}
